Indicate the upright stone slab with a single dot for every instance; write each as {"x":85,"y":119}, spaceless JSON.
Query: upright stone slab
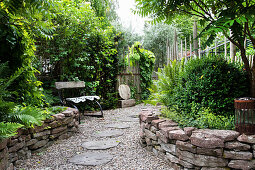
{"x":124,"y":92}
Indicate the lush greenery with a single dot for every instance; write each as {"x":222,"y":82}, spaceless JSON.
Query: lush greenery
{"x":145,"y":59}
{"x":227,"y":16}
{"x":200,"y":91}
{"x":83,"y":48}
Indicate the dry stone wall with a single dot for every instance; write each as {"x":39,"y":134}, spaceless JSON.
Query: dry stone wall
{"x":27,"y":141}
{"x":196,"y":149}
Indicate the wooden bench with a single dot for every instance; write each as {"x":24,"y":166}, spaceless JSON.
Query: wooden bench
{"x":61,"y":86}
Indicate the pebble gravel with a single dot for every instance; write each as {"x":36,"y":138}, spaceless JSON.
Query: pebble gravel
{"x":128,"y":155}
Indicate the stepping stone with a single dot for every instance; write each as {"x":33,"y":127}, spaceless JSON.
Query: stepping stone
{"x":133,"y":116}
{"x":91,"y":159}
{"x":108,"y":133}
{"x":129,"y":119}
{"x":104,"y":144}
{"x":117,"y":126}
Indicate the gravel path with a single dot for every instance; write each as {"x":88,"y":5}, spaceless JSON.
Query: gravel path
{"x":127,"y":155}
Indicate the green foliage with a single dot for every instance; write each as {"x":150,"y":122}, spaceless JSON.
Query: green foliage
{"x":8,"y":129}
{"x":27,"y":116}
{"x":205,"y":118}
{"x":83,"y":48}
{"x":169,"y":78}
{"x":212,"y":82}
{"x":201,"y":92}
{"x":155,"y":39}
{"x":146,"y":60}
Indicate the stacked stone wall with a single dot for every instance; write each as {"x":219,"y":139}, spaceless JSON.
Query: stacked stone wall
{"x":28,"y":141}
{"x":196,"y":149}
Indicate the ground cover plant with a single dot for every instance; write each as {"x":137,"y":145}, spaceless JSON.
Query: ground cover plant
{"x":201,"y":92}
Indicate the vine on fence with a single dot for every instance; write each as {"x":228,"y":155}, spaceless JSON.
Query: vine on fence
{"x":146,"y":60}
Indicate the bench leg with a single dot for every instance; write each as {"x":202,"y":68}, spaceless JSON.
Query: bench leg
{"x":78,"y":111}
{"x":100,"y":108}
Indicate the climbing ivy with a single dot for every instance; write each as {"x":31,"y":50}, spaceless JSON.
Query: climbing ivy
{"x":146,"y":60}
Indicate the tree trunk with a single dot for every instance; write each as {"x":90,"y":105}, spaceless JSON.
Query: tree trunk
{"x":195,"y":38}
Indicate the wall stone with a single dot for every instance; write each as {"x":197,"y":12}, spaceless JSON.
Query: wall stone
{"x":196,"y":149}
{"x":59,"y":126}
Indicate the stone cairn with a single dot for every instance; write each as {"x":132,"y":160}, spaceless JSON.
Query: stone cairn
{"x":196,"y":149}
{"x":27,"y":141}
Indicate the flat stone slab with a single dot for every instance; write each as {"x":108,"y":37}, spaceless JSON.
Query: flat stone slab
{"x":117,"y":126}
{"x":103,"y":144}
{"x":108,"y":133}
{"x":129,"y":119}
{"x":91,"y":159}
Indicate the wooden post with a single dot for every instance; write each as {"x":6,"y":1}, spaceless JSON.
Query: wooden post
{"x":181,"y":50}
{"x":232,"y":50}
{"x":177,"y":49}
{"x":190,"y":46}
{"x":225,"y":47}
{"x":199,"y":48}
{"x":175,"y":45}
{"x":195,"y":43}
{"x":216,"y":44}
{"x":185,"y":47}
{"x":170,"y":54}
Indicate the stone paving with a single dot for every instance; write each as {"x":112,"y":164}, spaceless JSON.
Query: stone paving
{"x":105,"y":143}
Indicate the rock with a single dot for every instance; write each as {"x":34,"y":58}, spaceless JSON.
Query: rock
{"x":31,"y":142}
{"x":167,"y":123}
{"x":67,"y":120}
{"x":142,"y":134}
{"x":143,"y":115}
{"x":16,"y":147}
{"x":210,"y":152}
{"x":39,"y":144}
{"x":155,"y":151}
{"x":126,"y":103}
{"x":150,"y":135}
{"x":108,"y":133}
{"x":155,"y":123}
{"x":129,"y":119}
{"x":237,"y":155}
{"x":186,"y":146}
{"x":54,"y":124}
{"x":172,"y":158}
{"x":162,"y":137}
{"x":103,"y":144}
{"x":151,"y":118}
{"x":238,"y":146}
{"x":12,"y":142}
{"x":189,"y":130}
{"x":26,"y":137}
{"x":216,"y":168}
{"x":58,"y":130}
{"x":39,"y":128}
{"x":64,"y":136}
{"x":4,"y":163}
{"x":153,"y":129}
{"x":201,"y":160}
{"x":242,"y":164}
{"x":177,"y":135}
{"x":13,"y":157}
{"x":206,"y":140}
{"x":91,"y":159}
{"x":171,"y":148}
{"x":246,"y":138}
{"x":39,"y":134}
{"x":3,"y":143}
{"x":75,"y":111}
{"x":59,"y":116}
{"x":68,"y":113}
{"x":165,"y":131}
{"x":148,"y":141}
{"x":3,"y":153}
{"x":118,"y":126}
{"x":148,"y":126}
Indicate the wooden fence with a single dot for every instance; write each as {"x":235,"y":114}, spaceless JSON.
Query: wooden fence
{"x":130,"y":75}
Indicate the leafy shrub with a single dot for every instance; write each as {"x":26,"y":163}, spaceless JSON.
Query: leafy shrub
{"x":146,"y":60}
{"x":169,"y":78}
{"x":213,"y":83}
{"x":204,"y":118}
{"x":8,"y":129}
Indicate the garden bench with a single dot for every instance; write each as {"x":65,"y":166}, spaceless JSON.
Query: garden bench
{"x":61,"y":86}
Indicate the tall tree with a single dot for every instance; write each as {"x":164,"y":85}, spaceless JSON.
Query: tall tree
{"x":218,"y":16}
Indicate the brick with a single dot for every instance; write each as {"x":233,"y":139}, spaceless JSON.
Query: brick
{"x":155,"y":123}
{"x":149,"y":134}
{"x":186,"y":146}
{"x":237,"y":155}
{"x":167,"y":123}
{"x":58,"y":130}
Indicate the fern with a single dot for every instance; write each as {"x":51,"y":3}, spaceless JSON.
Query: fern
{"x":28,"y":116}
{"x":8,"y":129}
